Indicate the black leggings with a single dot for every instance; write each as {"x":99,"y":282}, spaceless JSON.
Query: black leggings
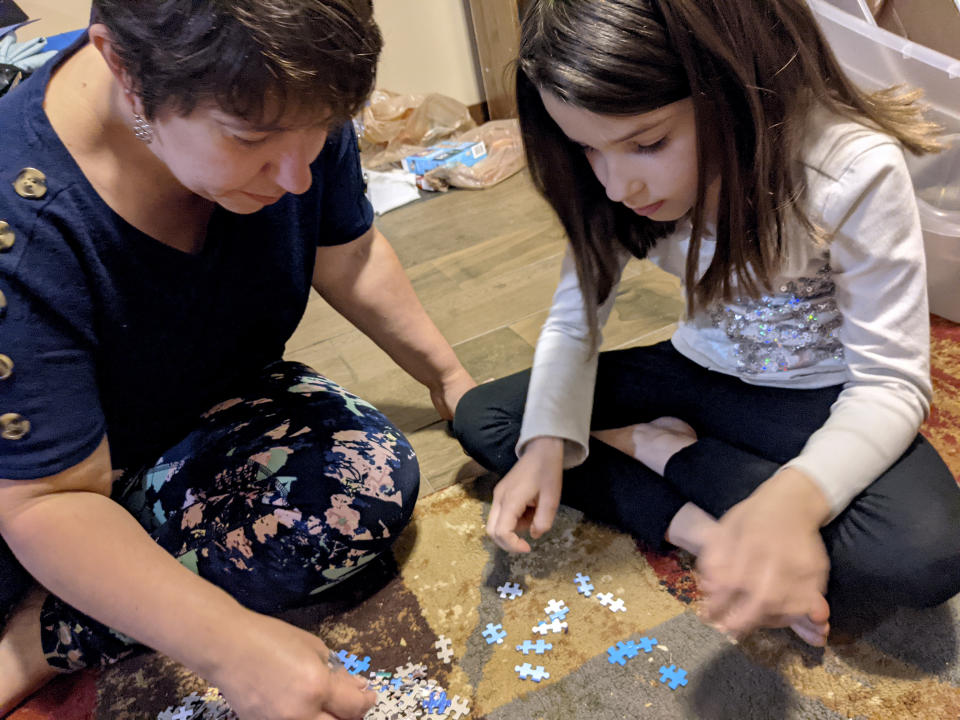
{"x":898,"y":541}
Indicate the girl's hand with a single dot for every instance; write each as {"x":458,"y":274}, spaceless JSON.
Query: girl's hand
{"x":528,"y":496}
{"x":280,"y":672}
{"x":447,"y":396}
{"x":765,"y":564}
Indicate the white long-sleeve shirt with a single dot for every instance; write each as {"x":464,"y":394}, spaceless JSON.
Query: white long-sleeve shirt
{"x":852,"y":312}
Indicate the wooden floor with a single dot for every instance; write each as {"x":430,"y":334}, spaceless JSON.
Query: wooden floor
{"x":485,"y":264}
{"x":54,"y":17}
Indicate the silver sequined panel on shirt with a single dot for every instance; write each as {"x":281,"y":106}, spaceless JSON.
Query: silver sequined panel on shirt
{"x":792,"y":328}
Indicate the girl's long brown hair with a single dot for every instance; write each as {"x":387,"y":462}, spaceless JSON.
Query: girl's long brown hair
{"x":754,"y":70}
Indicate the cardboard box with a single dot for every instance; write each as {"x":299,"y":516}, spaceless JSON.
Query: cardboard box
{"x":443,"y":154}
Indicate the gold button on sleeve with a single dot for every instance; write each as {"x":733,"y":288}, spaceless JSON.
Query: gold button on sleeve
{"x":7,"y":236}
{"x":13,"y":426}
{"x":6,"y":367}
{"x":30,"y":184}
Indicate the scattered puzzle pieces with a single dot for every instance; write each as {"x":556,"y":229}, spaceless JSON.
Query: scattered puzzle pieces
{"x":619,"y":653}
{"x":673,"y":676}
{"x":555,"y":626}
{"x":617,"y":606}
{"x":495,"y":634}
{"x":556,"y":610}
{"x":510,"y":591}
{"x":444,"y":648}
{"x":528,"y":672}
{"x":607,"y":600}
{"x":583,"y":584}
{"x":646,"y":644}
{"x":539,"y":647}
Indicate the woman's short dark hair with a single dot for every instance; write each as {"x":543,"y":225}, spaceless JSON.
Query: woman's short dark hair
{"x":255,"y":59}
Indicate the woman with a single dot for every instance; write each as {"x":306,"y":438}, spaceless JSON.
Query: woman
{"x":173,"y":186}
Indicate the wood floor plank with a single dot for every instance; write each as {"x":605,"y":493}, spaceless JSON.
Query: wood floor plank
{"x":485,"y":265}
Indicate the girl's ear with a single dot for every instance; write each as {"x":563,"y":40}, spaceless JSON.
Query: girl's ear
{"x":102,"y":40}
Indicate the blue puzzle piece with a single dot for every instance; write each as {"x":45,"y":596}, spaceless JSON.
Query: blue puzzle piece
{"x":561,"y":614}
{"x":528,"y":672}
{"x":346,"y":658}
{"x":583,"y":584}
{"x":673,"y":676}
{"x":437,"y":703}
{"x":618,"y":654}
{"x":494,"y":634}
{"x":397,"y":683}
{"x":352,"y":664}
{"x":646,"y":644}
{"x":360,"y":666}
{"x":539,"y":647}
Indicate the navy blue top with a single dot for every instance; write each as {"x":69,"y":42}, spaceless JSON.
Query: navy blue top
{"x":111,"y":331}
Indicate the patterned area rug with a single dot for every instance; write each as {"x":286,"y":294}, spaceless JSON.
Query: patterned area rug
{"x":442,"y":580}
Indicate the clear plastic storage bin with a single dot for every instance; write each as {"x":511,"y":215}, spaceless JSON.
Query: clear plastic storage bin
{"x":874,"y":57}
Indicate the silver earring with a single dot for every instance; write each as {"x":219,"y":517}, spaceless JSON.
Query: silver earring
{"x":142,"y":129}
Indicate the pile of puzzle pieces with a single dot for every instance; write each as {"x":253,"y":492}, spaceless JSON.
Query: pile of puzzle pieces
{"x":209,"y":706}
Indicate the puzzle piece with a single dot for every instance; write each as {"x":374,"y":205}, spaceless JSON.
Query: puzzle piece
{"x":673,"y":676}
{"x":510,"y":591}
{"x":444,"y":649}
{"x":617,"y":606}
{"x":555,"y":626}
{"x":539,"y":647}
{"x":494,"y":634}
{"x":646,"y":644}
{"x":437,"y":703}
{"x":619,"y":653}
{"x":583,"y":584}
{"x":458,"y":708}
{"x":352,"y":664}
{"x":181,"y":713}
{"x":528,"y":672}
{"x":556,"y":610}
{"x":605,"y":598}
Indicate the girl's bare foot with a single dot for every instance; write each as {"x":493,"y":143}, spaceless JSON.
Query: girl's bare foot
{"x":652,"y":443}
{"x":814,"y":627}
{"x":23,"y":668}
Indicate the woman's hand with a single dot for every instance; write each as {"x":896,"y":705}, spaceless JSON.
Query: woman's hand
{"x":765,"y":564}
{"x":280,"y":672}
{"x":453,"y":386}
{"x":528,"y":496}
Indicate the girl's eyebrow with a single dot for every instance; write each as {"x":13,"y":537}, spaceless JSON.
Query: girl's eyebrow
{"x":645,"y":127}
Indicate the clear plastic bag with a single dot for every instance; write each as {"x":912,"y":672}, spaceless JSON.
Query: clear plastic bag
{"x":394,"y":126}
{"x":504,"y":158}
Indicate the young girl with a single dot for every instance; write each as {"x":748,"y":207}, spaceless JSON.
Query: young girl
{"x":775,"y":435}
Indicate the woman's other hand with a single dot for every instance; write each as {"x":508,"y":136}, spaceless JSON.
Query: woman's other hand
{"x":279,"y":672}
{"x":765,"y":564}
{"x":453,"y":386}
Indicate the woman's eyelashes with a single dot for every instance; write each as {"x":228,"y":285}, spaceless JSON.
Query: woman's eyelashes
{"x":250,"y":140}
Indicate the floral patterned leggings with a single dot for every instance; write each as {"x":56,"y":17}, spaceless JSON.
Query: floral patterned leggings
{"x":274,"y":496}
